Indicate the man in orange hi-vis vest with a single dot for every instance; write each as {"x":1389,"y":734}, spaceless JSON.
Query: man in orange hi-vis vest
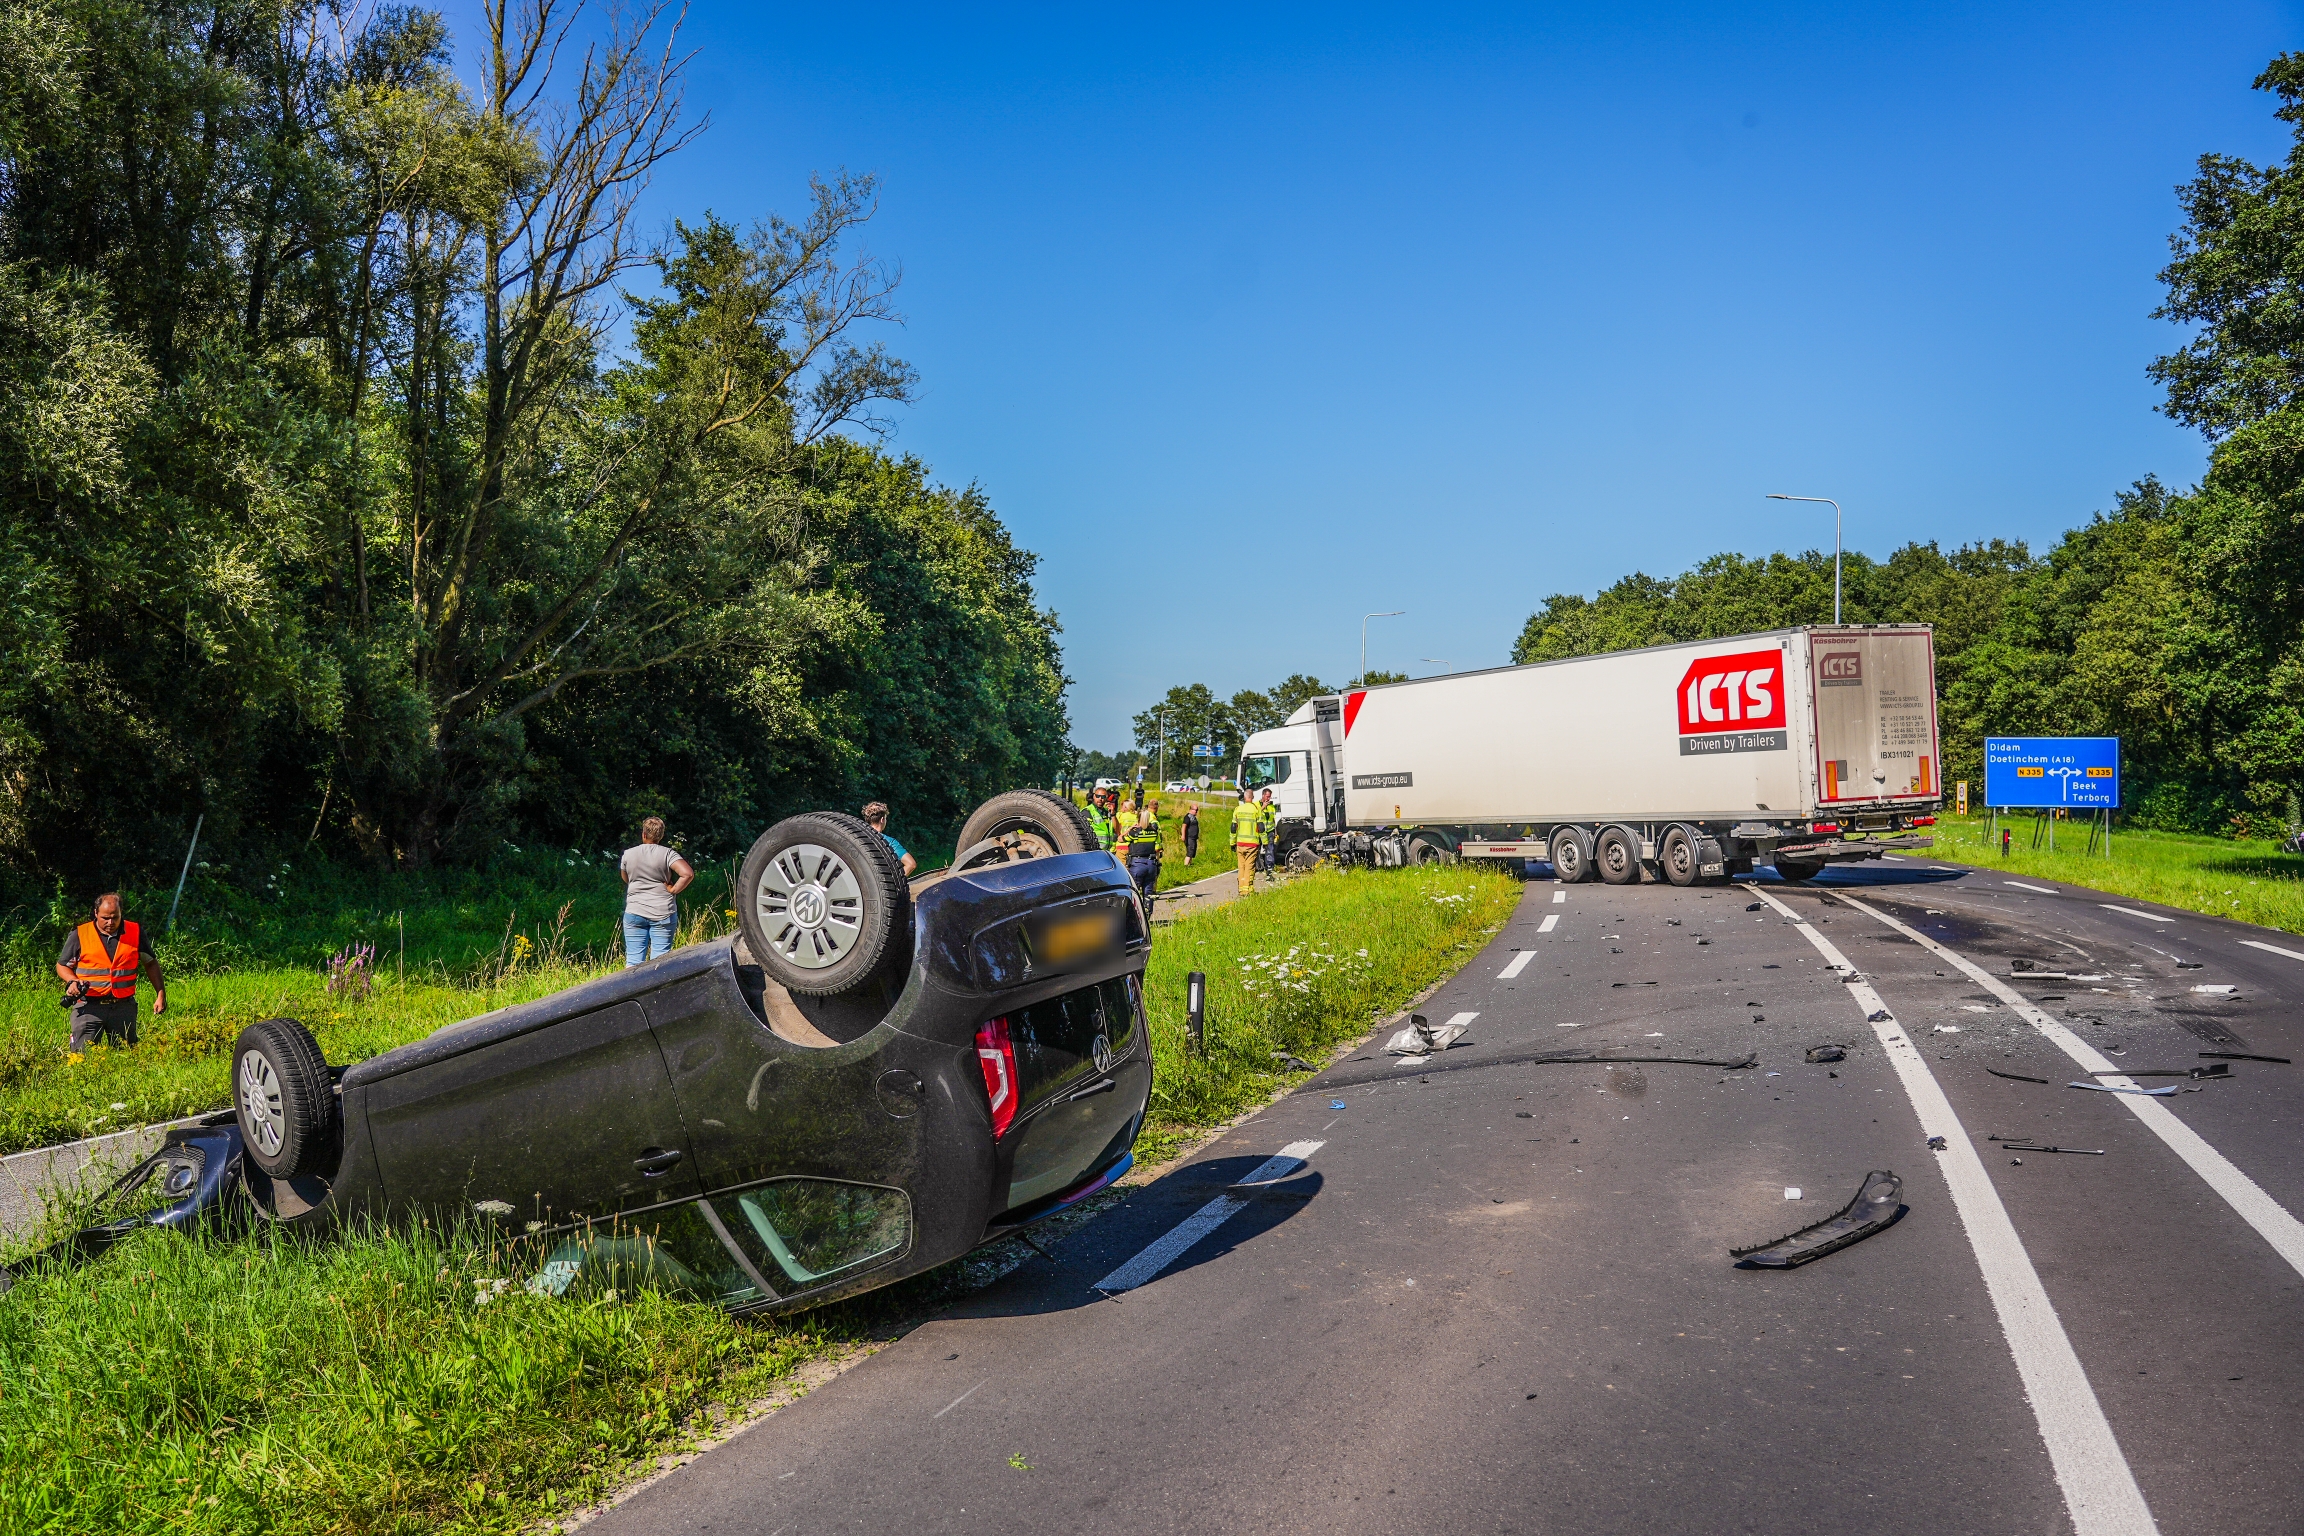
{"x":101,"y":960}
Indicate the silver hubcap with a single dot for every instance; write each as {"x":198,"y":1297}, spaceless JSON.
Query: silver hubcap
{"x":811,"y":906}
{"x":260,"y":1108}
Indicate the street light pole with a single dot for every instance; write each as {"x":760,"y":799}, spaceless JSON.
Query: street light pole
{"x":1364,"y":618}
{"x":1437,"y":661}
{"x":1835,"y":506}
{"x":1163,"y":743}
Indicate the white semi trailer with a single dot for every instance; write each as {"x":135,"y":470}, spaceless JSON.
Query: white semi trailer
{"x":1799,"y":747}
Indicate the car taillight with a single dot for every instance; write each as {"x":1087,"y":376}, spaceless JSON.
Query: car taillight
{"x":1822,"y":828}
{"x":996,"y":1054}
{"x":1923,"y":821}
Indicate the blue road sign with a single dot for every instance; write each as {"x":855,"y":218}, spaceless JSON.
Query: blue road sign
{"x":2064,"y":772}
{"x":1203,"y":750}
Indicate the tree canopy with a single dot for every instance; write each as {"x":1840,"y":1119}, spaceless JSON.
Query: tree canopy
{"x":367,"y":478}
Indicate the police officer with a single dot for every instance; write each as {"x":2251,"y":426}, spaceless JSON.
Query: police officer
{"x":101,"y":962}
{"x":1143,"y":845}
{"x":1098,"y":818}
{"x":1247,"y":837}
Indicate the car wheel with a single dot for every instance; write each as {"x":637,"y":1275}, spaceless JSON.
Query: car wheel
{"x":1572,"y":855}
{"x":1617,"y":857}
{"x":1025,"y":823}
{"x":1799,"y":870}
{"x":825,"y":909}
{"x":285,"y":1099}
{"x":1677,"y":858}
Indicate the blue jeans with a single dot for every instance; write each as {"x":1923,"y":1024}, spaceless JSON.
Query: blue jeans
{"x":647,"y":937}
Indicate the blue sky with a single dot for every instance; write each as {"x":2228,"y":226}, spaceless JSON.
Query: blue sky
{"x":1249,"y":325}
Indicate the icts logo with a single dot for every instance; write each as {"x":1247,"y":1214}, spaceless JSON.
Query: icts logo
{"x":1743,"y":692}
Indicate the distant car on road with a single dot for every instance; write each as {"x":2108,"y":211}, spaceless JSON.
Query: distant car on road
{"x":871,"y":1080}
{"x":1174,"y":787}
{"x":1109,"y":784}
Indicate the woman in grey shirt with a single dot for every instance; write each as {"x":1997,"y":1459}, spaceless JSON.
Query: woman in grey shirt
{"x":653,"y":877}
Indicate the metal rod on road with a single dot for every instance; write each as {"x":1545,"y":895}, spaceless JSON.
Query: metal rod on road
{"x":1835,"y":506}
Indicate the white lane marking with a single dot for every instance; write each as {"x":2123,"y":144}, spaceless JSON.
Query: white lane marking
{"x":1551,"y":921}
{"x":2271,"y":1221}
{"x":1519,"y":964}
{"x":1559,"y":897}
{"x":2273,"y":949}
{"x":2133,"y":912}
{"x":956,"y":1402}
{"x":2099,"y":1489}
{"x":2045,"y":890}
{"x":1170,"y":1245}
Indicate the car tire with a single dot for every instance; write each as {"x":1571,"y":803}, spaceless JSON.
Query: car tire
{"x":285,"y":1098}
{"x":1041,"y":825}
{"x":1617,"y":857}
{"x":1799,"y":871}
{"x":1679,"y":857}
{"x":1571,"y":855}
{"x":823,"y":905}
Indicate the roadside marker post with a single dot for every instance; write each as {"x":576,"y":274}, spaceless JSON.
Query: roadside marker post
{"x":1196,"y":1011}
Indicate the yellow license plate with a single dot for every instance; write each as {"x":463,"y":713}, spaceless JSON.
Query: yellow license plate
{"x":1066,"y":939}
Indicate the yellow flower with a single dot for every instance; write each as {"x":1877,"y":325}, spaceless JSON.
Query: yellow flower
{"x":72,"y":1058}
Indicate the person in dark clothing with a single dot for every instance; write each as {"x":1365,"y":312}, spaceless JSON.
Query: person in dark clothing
{"x":1142,"y":846}
{"x":100,"y":965}
{"x":1191,"y":833}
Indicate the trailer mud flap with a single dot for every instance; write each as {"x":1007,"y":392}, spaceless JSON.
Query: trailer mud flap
{"x":1876,"y":1207}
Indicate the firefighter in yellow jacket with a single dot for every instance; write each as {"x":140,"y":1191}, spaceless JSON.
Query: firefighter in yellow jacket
{"x":101,"y":961}
{"x":1247,"y":838}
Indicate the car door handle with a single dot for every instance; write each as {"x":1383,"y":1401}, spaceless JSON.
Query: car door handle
{"x":655,"y":1160}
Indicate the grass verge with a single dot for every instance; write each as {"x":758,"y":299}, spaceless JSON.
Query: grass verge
{"x":403,"y":1381}
{"x":2253,"y":882}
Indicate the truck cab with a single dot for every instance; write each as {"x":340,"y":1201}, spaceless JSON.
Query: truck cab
{"x":1301,"y":762}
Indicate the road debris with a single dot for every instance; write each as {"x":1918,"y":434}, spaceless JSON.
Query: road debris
{"x":2220,"y":1069}
{"x":1877,"y":1205}
{"x":1753,"y":908}
{"x":1948,"y":1029}
{"x":2217,"y":988}
{"x":2016,"y":1077}
{"x":1335,"y":1103}
{"x":2244,"y":1056}
{"x":1791,"y":1191}
{"x":2027,"y":1144}
{"x":1824,"y":1053}
{"x":1422,"y":1037}
{"x":1292,"y":1062}
{"x":2149,"y":1093}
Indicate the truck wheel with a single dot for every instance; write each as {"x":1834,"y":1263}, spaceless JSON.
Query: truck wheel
{"x":1799,"y":870}
{"x":1028,"y":823}
{"x":1423,"y":850}
{"x":1677,"y":858}
{"x":285,"y":1100}
{"x":1617,"y":856}
{"x":1571,"y":855}
{"x":824,"y":906}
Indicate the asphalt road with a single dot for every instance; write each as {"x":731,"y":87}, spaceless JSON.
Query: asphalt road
{"x":1493,"y":1294}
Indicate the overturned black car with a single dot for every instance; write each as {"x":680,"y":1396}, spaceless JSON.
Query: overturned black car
{"x":869,"y":1080}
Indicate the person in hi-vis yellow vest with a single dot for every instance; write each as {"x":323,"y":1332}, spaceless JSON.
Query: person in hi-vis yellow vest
{"x":1247,"y":837}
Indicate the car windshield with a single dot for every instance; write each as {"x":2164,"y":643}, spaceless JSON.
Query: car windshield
{"x":1256,"y":772}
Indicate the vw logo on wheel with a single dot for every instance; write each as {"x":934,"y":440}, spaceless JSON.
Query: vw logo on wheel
{"x":1101,"y":1052}
{"x":811,"y":905}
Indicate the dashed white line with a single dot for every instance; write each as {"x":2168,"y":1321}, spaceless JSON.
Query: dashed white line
{"x":1519,"y":964}
{"x":2246,"y":1197}
{"x":1170,"y":1245}
{"x":2133,"y":912}
{"x":1551,"y":921}
{"x":1559,"y":897}
{"x":2273,"y":949}
{"x":2045,"y":890}
{"x":956,"y":1402}
{"x":2100,"y":1490}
